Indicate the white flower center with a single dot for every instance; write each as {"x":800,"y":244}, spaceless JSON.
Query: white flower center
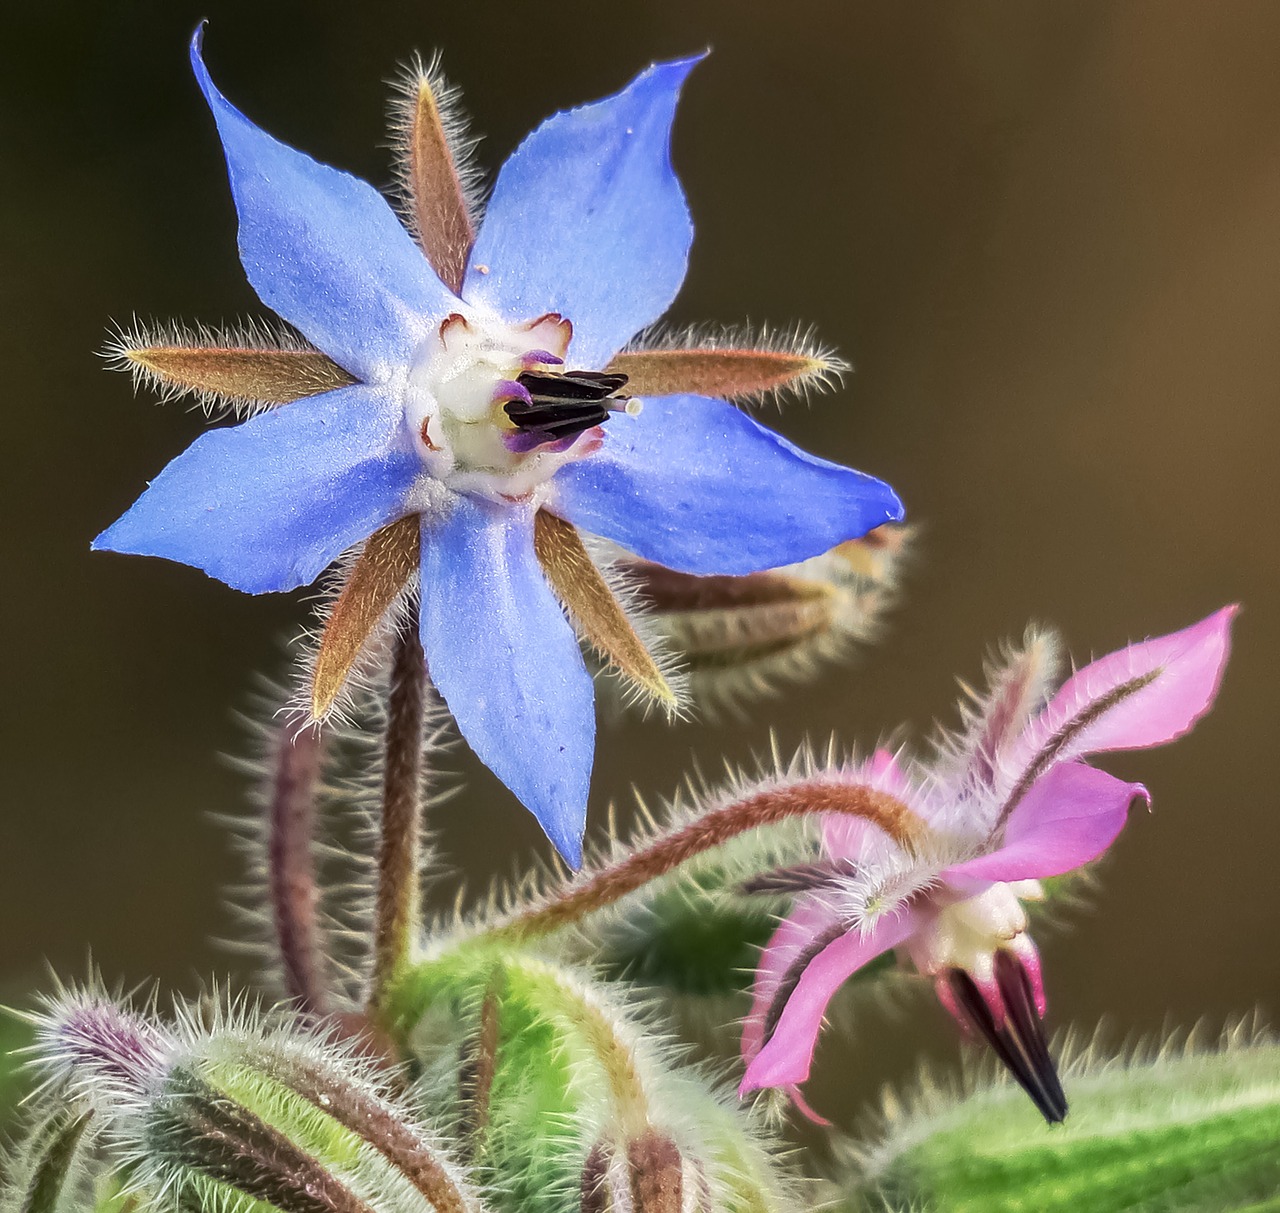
{"x":968,"y":933}
{"x":469,"y":413}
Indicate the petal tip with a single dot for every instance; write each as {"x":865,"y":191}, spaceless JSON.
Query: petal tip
{"x":109,"y":539}
{"x":569,"y":848}
{"x":195,"y":51}
{"x":675,"y":71}
{"x":1222,"y":619}
{"x":895,"y":511}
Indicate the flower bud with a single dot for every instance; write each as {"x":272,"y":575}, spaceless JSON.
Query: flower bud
{"x":743,"y":638}
{"x":247,"y":1112}
{"x":566,"y":1100}
{"x":1180,"y":1127}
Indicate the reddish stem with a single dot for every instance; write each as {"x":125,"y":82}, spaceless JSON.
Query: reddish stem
{"x":664,"y":855}
{"x":291,"y":863}
{"x":396,"y":909}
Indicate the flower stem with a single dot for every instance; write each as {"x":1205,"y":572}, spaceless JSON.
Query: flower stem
{"x":291,"y":873}
{"x":662,"y":856}
{"x":400,"y":844}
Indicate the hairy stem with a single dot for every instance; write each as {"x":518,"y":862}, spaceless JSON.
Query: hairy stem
{"x":291,"y":872}
{"x":400,"y":843}
{"x":712,"y":829}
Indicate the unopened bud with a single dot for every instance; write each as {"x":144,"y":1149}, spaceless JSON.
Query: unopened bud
{"x":1178,"y":1127}
{"x":559,"y":1091}
{"x":244,"y":1112}
{"x":743,"y":638}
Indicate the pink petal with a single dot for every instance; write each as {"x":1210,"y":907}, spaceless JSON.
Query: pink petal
{"x":1184,"y":670}
{"x":1068,"y":818}
{"x":808,"y":920}
{"x":786,"y":1059}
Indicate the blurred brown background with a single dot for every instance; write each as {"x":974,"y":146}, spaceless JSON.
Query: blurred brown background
{"x":1047,"y":235}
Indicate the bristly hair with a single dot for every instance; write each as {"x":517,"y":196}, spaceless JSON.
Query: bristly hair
{"x":735,"y":859}
{"x":273,"y":1051}
{"x":457,"y":132}
{"x":1135,"y":1089}
{"x":127,"y":342}
{"x":1019,"y":678}
{"x":65,"y":1133}
{"x":347,"y":799}
{"x":800,"y":340}
{"x":617,"y":1056}
{"x":613,"y":567}
{"x":743,"y":653}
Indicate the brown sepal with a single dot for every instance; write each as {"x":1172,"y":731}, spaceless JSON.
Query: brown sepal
{"x":386,"y":564}
{"x":657,"y":1174}
{"x":729,"y":374}
{"x":583,"y":590}
{"x":440,"y":212}
{"x":270,"y":376}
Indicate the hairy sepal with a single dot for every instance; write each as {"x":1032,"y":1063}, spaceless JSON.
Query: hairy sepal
{"x":439,"y":182}
{"x":48,"y":1170}
{"x":1018,"y":681}
{"x":599,"y":612}
{"x":731,"y":364}
{"x":578,"y":1085}
{"x":376,"y":580}
{"x":228,"y":372}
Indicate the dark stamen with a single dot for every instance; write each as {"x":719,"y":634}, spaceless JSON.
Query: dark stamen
{"x":563,"y":405}
{"x":1018,"y":1041}
{"x":572,"y":385}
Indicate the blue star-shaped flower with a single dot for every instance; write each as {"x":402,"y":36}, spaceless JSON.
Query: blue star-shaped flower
{"x":476,"y":382}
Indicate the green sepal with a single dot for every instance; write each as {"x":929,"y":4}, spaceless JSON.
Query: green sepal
{"x":44,"y":1173}
{"x":571,"y":1068}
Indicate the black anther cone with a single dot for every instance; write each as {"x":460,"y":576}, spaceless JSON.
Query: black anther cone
{"x":1019,"y":1041}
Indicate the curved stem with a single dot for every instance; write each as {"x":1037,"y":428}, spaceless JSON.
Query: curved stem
{"x":396,"y":908}
{"x":712,"y":829}
{"x":291,"y":871}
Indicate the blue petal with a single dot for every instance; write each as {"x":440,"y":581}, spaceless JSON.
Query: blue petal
{"x":697,"y":485}
{"x":323,"y":249}
{"x":507,"y":663}
{"x":268,"y":504}
{"x":587,"y":219}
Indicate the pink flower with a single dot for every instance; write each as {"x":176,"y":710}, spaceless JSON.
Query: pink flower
{"x":1007,"y":802}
